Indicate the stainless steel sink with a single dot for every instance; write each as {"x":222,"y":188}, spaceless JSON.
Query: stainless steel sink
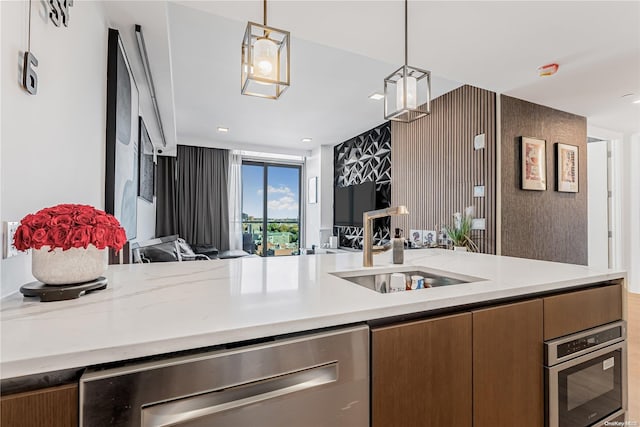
{"x":379,"y":280}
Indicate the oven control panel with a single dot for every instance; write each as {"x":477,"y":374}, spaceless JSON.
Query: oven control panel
{"x":588,"y":341}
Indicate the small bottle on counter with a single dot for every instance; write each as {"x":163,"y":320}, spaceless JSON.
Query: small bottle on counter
{"x":398,"y":247}
{"x":398,"y":281}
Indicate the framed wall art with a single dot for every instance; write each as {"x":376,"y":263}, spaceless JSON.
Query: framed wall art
{"x":146,"y":183}
{"x":534,"y":171}
{"x":121,"y":183}
{"x":566,"y":168}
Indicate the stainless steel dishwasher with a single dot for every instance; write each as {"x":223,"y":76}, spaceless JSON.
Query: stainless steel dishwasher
{"x":315,"y":380}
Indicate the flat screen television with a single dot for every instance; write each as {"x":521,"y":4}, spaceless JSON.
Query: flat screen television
{"x":342,"y":206}
{"x":351,"y":202}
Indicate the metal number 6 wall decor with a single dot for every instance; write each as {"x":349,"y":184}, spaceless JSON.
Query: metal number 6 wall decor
{"x":59,"y":14}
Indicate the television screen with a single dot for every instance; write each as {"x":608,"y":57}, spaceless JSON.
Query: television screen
{"x":364,"y":199}
{"x":342,"y":206}
{"x":349,"y":203}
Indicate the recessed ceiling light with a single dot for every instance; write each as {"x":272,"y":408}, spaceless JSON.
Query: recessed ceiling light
{"x":223,"y":130}
{"x":306,"y":140}
{"x":637,"y":101}
{"x":376,"y":96}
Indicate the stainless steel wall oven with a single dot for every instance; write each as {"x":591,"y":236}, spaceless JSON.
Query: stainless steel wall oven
{"x":586,"y":377}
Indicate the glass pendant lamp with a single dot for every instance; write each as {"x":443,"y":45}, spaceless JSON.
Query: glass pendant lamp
{"x":408,"y":90}
{"x":265,"y":60}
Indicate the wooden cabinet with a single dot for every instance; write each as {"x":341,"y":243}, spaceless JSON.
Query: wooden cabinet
{"x":49,"y":407}
{"x":576,"y":311}
{"x":508,"y":365}
{"x":421,"y":373}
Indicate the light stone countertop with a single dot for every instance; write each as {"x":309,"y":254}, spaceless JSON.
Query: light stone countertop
{"x":150,"y":309}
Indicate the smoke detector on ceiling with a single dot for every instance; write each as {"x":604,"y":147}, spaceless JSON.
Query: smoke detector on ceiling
{"x":548,"y":70}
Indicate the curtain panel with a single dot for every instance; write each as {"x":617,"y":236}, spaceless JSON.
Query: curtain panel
{"x":202,"y":202}
{"x":235,"y":201}
{"x":194,"y":202}
{"x":166,"y":210}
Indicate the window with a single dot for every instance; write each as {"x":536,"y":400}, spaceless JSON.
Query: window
{"x":271,"y":208}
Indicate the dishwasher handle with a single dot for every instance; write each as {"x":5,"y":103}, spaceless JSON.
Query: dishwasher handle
{"x":174,"y":412}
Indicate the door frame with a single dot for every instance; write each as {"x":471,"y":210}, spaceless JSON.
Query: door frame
{"x":614,"y":188}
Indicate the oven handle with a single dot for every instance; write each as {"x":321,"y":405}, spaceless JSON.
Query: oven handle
{"x":551,"y":379}
{"x":187,"y":409}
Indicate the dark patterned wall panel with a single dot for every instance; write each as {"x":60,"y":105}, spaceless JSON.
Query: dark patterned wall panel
{"x":367,"y":157}
{"x":545,"y":225}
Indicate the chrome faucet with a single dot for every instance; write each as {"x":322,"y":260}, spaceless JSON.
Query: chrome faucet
{"x":367,"y":221}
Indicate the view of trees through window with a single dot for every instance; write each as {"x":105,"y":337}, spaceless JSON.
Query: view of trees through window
{"x":270,"y":209}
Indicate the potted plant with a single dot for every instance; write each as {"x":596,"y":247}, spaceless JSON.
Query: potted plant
{"x":460,"y":232}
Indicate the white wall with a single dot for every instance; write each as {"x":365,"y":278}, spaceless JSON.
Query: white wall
{"x":630,"y":209}
{"x":2,"y":237}
{"x":325,"y":193}
{"x":598,"y":204}
{"x":52,"y":145}
{"x":146,"y":223}
{"x":312,"y":210}
{"x":319,"y":215}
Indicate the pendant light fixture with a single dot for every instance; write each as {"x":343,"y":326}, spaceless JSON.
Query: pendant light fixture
{"x":265,"y":60}
{"x":407,"y":91}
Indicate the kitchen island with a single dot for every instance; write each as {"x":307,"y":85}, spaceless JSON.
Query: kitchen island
{"x":152,"y":309}
{"x":303,"y":339}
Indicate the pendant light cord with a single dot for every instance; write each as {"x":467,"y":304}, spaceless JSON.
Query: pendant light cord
{"x":264,"y":13}
{"x":29,"y":37}
{"x":406,"y":31}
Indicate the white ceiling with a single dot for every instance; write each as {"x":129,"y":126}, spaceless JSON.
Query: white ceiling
{"x":342,"y":50}
{"x":327,"y":100}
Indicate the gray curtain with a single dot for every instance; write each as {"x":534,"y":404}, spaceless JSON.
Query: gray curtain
{"x":202,"y":205}
{"x":166,"y":219}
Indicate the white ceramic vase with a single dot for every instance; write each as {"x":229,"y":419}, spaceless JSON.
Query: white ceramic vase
{"x":75,"y":265}
{"x":460,"y":248}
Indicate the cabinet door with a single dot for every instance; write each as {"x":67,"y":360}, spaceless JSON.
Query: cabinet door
{"x":421,"y":373}
{"x":508,"y":365}
{"x":49,"y":407}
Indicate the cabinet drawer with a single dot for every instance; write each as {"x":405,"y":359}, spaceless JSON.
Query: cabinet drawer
{"x":576,"y":311}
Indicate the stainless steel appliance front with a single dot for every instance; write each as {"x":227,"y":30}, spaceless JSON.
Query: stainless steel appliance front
{"x":586,"y":377}
{"x":317,"y":380}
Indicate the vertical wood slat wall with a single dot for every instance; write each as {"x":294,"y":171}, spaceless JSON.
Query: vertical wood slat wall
{"x":434,"y":166}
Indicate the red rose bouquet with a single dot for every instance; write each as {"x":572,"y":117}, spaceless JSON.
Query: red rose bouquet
{"x":69,"y":226}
